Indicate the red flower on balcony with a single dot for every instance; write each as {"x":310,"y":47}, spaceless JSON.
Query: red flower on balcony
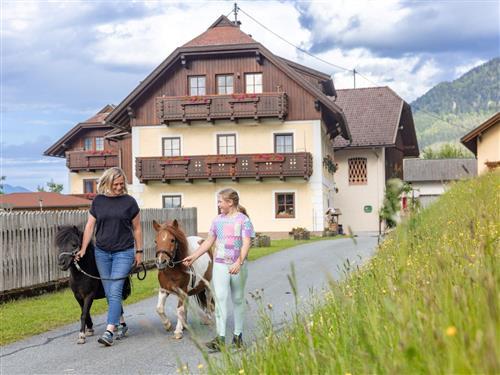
{"x":263,"y":158}
{"x":99,"y":153}
{"x":244,"y":96}
{"x":196,"y":99}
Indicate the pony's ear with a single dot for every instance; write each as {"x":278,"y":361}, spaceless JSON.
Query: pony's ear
{"x":175,"y":223}
{"x":156,"y":225}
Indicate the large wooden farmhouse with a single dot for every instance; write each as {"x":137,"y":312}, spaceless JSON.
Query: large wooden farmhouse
{"x":221,"y":111}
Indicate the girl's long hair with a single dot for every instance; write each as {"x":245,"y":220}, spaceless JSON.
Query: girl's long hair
{"x":106,"y":181}
{"x":232,"y":195}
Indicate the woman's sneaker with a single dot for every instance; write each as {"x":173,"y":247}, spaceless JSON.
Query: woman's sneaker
{"x":106,"y":338}
{"x":121,"y":331}
{"x":238,"y":341}
{"x":216,"y":344}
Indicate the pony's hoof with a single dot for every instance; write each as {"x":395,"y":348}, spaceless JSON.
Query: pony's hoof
{"x":167,"y":326}
{"x":81,"y":338}
{"x":89,"y":332}
{"x":177,"y":335}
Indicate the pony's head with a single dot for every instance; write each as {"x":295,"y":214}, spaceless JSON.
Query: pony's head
{"x":171,"y":244}
{"x":68,"y":242}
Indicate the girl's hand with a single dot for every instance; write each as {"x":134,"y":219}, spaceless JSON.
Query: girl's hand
{"x":187,"y":261}
{"x":235,"y":268}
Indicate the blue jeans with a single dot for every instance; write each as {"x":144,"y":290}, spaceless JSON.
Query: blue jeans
{"x":113,"y":265}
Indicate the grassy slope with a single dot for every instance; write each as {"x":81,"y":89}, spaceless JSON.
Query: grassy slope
{"x":30,"y":316}
{"x":426,"y":303}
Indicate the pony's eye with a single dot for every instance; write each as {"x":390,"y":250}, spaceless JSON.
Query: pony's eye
{"x":172,"y":240}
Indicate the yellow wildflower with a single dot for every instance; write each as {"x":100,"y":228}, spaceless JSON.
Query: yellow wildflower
{"x":200,"y":366}
{"x":241,"y":371}
{"x":451,"y":331}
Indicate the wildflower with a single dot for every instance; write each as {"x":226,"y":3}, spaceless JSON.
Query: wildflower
{"x":200,"y":366}
{"x":241,"y":371}
{"x":269,"y":306}
{"x":451,"y":331}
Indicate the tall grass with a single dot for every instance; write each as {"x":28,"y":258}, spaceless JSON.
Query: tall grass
{"x":426,"y":303}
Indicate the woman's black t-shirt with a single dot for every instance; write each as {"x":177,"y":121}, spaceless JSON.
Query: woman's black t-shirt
{"x":114,"y":217}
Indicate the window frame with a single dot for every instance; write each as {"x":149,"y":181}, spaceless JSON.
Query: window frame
{"x":91,"y":141}
{"x":276,"y":205}
{"x":225,"y":76}
{"x":163,"y":145}
{"x":350,"y":166}
{"x":95,"y":143}
{"x":247,"y":75}
{"x":276,"y":135}
{"x":198,"y":76}
{"x":94,"y":185}
{"x":171,"y":196}
{"x":219,"y":136}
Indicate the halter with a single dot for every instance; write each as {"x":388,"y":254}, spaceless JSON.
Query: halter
{"x":170,"y":263}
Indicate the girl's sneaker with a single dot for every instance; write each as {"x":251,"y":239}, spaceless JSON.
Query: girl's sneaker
{"x":238,"y":341}
{"x":216,"y":344}
{"x":121,"y":331}
{"x":106,"y":338}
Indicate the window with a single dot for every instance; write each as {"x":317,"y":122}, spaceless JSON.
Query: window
{"x":90,"y":186}
{"x":253,"y":83}
{"x":226,"y":144}
{"x":224,"y":84}
{"x":172,"y":201}
{"x":197,"y":85}
{"x":285,"y":205}
{"x":283,"y":143}
{"x":357,"y":171}
{"x":171,"y":146}
{"x":88,"y":144}
{"x":99,"y":144}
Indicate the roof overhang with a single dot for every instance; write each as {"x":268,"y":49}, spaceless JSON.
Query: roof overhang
{"x":470,"y":139}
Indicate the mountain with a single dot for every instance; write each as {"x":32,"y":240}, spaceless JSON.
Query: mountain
{"x":7,"y":189}
{"x":451,"y":109}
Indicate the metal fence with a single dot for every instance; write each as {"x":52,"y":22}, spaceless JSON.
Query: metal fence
{"x":28,"y":252}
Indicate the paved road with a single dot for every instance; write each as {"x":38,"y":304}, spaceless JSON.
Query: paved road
{"x":151,"y":350}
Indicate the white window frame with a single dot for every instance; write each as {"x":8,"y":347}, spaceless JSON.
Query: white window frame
{"x":216,"y":136}
{"x":171,"y":137}
{"x":163,"y":195}
{"x":253,"y":91}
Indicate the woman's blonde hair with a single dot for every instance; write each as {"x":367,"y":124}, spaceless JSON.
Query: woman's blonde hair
{"x":232,"y":195}
{"x":107,"y":178}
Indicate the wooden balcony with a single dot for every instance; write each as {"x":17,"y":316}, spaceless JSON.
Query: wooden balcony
{"x":212,"y":167}
{"x":91,"y":160}
{"x":222,"y":107}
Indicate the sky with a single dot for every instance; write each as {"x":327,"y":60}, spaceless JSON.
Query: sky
{"x":62,"y":61}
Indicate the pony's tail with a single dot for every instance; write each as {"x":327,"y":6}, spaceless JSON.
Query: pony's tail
{"x":243,"y":210}
{"x":201,"y":299}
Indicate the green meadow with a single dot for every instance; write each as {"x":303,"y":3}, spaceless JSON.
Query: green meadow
{"x":426,"y":303}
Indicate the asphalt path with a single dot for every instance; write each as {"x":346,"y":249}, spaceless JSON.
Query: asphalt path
{"x":149,"y":349}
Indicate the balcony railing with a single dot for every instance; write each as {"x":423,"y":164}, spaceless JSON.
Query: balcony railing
{"x":91,"y":160}
{"x":222,"y":107}
{"x":211,"y":167}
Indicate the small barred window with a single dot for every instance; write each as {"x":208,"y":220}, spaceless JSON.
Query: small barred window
{"x":358,"y":171}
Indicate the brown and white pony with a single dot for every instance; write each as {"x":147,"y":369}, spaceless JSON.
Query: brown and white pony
{"x":172,"y":246}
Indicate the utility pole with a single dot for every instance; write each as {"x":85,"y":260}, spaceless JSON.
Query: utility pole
{"x":354,"y":76}
{"x":235,"y":13}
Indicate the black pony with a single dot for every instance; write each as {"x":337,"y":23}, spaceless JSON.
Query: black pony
{"x":86,"y":289}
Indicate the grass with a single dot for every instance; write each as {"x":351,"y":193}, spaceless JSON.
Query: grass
{"x":426,"y":303}
{"x":31,"y":316}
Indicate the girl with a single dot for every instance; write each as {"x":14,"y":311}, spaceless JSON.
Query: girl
{"x":232,"y":232}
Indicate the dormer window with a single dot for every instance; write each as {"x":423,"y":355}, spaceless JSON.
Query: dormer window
{"x":197,"y":85}
{"x":225,"y":84}
{"x":253,"y":83}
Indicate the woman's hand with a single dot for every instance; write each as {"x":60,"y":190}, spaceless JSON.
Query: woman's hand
{"x":80,"y":254}
{"x":187,"y":261}
{"x":138,"y":258}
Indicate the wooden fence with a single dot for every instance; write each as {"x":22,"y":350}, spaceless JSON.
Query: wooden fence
{"x":29,"y":255}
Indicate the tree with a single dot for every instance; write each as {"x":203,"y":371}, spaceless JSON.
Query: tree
{"x":392,"y":201}
{"x":53,"y":187}
{"x":446,"y":151}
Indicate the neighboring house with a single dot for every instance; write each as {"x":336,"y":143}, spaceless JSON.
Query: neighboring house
{"x":431,"y":177}
{"x":90,"y":148}
{"x":484,"y":142}
{"x":223,"y":111}
{"x":383,"y":133}
{"x":42,"y":201}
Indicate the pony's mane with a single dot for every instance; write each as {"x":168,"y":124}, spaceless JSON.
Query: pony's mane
{"x":180,"y":237}
{"x":68,"y":233}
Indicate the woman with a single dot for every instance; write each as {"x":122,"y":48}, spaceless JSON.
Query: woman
{"x":232,"y":232}
{"x":115,"y":215}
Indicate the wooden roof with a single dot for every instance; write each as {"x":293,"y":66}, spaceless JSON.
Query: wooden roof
{"x":470,"y":139}
{"x":224,"y":39}
{"x":96,"y":121}
{"x":48,"y":200}
{"x":375,"y":115}
{"x":438,"y":169}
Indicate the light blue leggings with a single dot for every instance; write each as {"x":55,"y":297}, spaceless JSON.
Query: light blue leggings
{"x":223,"y":282}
